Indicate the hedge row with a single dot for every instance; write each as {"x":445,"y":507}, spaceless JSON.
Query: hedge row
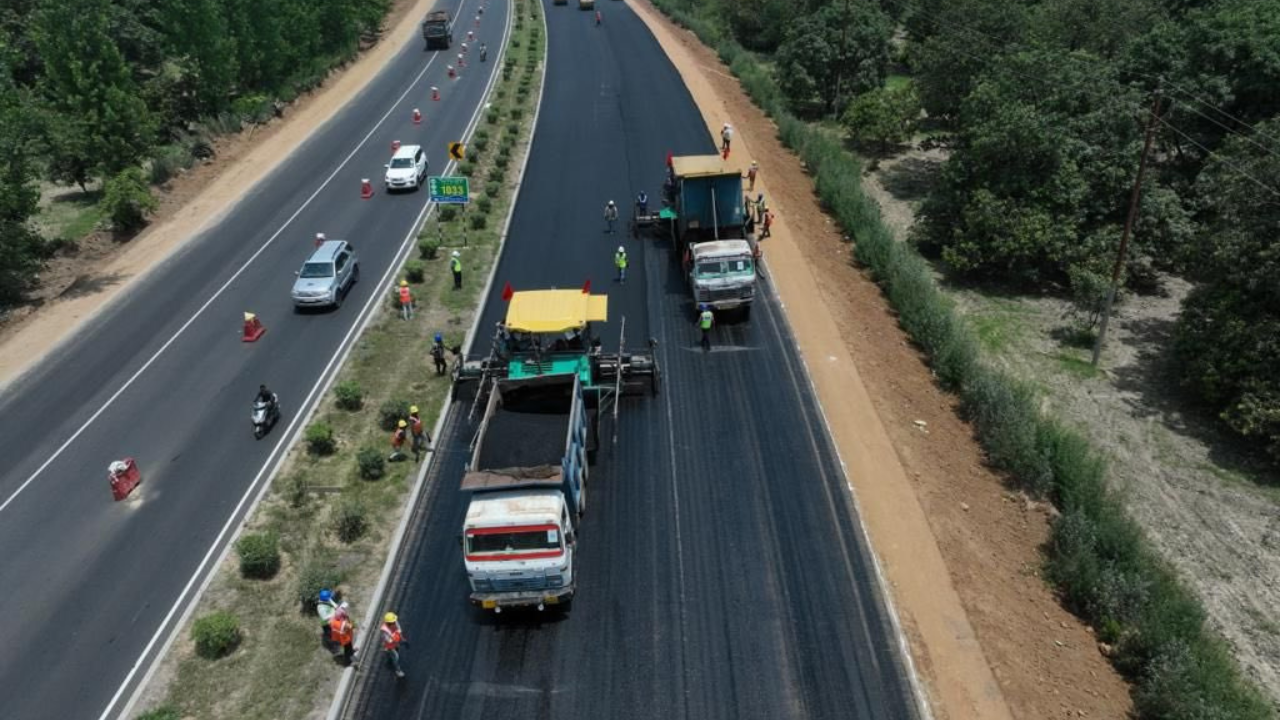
{"x":1098,"y":558}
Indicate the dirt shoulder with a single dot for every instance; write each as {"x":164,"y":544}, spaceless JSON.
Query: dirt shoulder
{"x":75,"y":288}
{"x":960,"y":552}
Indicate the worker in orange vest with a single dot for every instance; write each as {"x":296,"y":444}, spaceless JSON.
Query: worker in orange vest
{"x":392,"y":637}
{"x":419,"y":433}
{"x":768,"y":223}
{"x":397,"y":441}
{"x":342,"y":630}
{"x":406,"y":301}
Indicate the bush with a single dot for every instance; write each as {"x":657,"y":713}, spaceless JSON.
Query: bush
{"x":371,"y":463}
{"x":517,"y":113}
{"x":127,"y":200}
{"x":492,"y":189}
{"x":429,"y":248}
{"x":513,"y":128}
{"x":216,"y":635}
{"x":296,"y":490}
{"x":392,"y":412}
{"x":479,"y":221}
{"x":349,"y":395}
{"x":259,"y":555}
{"x":316,"y":574}
{"x":320,"y":440}
{"x":415,"y":272}
{"x":447,"y":213}
{"x":493,"y":116}
{"x":481,"y":134}
{"x":497,"y":174}
{"x":502,"y":161}
{"x":485,"y":204}
{"x":466,"y":168}
{"x":350,"y":520}
{"x":168,"y":161}
{"x":479,"y":144}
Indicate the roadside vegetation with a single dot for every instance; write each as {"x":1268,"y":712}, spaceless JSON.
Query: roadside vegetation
{"x":124,"y":94}
{"x":253,"y":647}
{"x":1043,"y":108}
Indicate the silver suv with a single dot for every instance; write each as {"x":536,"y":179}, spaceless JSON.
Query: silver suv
{"x":327,"y":276}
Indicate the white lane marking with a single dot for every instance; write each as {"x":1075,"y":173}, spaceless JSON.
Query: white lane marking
{"x":111,"y":400}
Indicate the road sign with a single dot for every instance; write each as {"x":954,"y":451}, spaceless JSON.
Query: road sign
{"x":449,"y":189}
{"x":457,"y":150}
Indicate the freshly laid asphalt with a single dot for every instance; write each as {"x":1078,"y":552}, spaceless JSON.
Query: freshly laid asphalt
{"x":721,"y":571}
{"x":88,"y":582}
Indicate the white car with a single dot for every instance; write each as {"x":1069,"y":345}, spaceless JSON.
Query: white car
{"x":407,"y":169}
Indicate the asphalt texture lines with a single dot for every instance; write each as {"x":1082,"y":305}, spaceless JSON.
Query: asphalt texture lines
{"x":722,"y":574}
{"x":87,"y":581}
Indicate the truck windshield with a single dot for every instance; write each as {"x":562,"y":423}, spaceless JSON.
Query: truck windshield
{"x":499,"y":543}
{"x":717,"y":267}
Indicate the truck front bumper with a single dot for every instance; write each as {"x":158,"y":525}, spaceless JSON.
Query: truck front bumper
{"x":497,"y":602}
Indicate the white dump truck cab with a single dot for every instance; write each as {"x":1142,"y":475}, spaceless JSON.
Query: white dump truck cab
{"x":722,"y":274}
{"x":518,"y":549}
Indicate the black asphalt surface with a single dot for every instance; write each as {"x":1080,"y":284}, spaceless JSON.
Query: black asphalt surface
{"x":87,"y":582}
{"x":721,"y":570}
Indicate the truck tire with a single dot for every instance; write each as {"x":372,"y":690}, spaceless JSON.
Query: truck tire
{"x":746,"y":312}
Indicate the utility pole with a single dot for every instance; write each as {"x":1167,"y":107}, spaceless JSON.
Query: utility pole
{"x":1134,"y":197}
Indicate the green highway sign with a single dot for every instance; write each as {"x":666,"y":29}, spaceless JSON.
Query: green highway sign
{"x":449,"y":189}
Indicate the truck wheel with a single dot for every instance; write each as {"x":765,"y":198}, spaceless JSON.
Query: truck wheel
{"x":746,"y":313}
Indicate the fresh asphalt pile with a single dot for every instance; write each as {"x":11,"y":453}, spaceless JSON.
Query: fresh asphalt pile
{"x":722,"y":573}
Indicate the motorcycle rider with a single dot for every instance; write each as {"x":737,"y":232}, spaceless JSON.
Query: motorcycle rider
{"x":266,"y":396}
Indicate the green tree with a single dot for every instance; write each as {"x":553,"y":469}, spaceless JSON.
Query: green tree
{"x":885,"y":116}
{"x":830,"y":55}
{"x":99,"y":123}
{"x":202,"y":53}
{"x":954,"y":41}
{"x":127,"y":200}
{"x":21,"y":248}
{"x":759,"y":24}
{"x":1228,"y":337}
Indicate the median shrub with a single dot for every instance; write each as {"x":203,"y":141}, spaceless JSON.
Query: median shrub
{"x":348,"y":395}
{"x":317,"y":573}
{"x":259,"y":555}
{"x":392,"y":412}
{"x":370,"y":463}
{"x":447,"y":213}
{"x":216,"y":635}
{"x":484,"y":204}
{"x":479,"y":221}
{"x":429,"y":248}
{"x":319,"y":439}
{"x":466,"y":168}
{"x":493,"y":116}
{"x":350,"y":520}
{"x":415,"y":272}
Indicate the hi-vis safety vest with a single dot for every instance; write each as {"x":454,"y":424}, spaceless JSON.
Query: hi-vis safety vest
{"x":455,"y":264}
{"x":620,"y":259}
{"x":415,"y":424}
{"x":391,"y":636}
{"x":397,"y":438}
{"x":341,"y":630}
{"x":705,"y":320}
{"x":405,"y":298}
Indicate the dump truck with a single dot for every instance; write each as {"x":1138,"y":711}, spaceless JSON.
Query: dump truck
{"x":528,"y":478}
{"x":437,"y":30}
{"x":704,"y":209}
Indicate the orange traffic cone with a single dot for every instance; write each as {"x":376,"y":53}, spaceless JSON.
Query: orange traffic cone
{"x":462,"y":61}
{"x":366,"y":189}
{"x":435,"y":93}
{"x":417,"y":116}
{"x":464,"y":48}
{"x":477,"y":21}
{"x":124,"y":476}
{"x":253,"y":327}
{"x":319,"y":239}
{"x":451,"y":73}
{"x":395,"y":145}
{"x":471,"y":36}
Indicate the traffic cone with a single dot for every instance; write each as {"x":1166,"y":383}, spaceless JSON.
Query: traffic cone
{"x":319,"y":239}
{"x":417,"y":116}
{"x":366,"y":189}
{"x":462,"y":61}
{"x":464,"y":48}
{"x":395,"y":145}
{"x":253,"y":327}
{"x":435,"y":93}
{"x":477,"y":21}
{"x":451,"y":73}
{"x":471,"y":36}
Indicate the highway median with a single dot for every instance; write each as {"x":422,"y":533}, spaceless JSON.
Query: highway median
{"x":330,"y":517}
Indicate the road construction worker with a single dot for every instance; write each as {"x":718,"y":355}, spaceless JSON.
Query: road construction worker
{"x":342,"y":630}
{"x":419,"y":433}
{"x":598,"y":17}
{"x":751,"y":175}
{"x":705,"y":320}
{"x":392,"y":638}
{"x":397,"y":441}
{"x":484,"y":52}
{"x":437,"y":354}
{"x":406,"y":301}
{"x":620,"y":262}
{"x":455,"y":265}
{"x":760,"y":207}
{"x":610,"y":215}
{"x":326,"y":606}
{"x":768,"y":222}
{"x":726,"y":137}
{"x":642,"y":203}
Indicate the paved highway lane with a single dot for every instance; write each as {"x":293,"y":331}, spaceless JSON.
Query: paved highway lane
{"x":89,"y":583}
{"x":722,"y":572}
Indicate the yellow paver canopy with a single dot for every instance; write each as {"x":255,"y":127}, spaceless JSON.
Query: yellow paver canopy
{"x":687,"y":166}
{"x":546,"y":311}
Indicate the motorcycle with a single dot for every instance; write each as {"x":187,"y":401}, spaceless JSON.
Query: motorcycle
{"x":264,"y":416}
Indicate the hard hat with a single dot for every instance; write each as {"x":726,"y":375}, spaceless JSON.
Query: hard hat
{"x":610,"y":202}
{"x":390,"y":617}
{"x":456,"y":253}
{"x":404,"y":283}
{"x":438,"y":338}
{"x":402,"y":424}
{"x":326,"y":595}
{"x":413,"y":409}
{"x":621,"y":249}
{"x":702,"y":306}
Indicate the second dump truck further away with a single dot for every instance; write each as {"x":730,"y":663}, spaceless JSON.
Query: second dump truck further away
{"x":704,"y":205}
{"x":543,"y":387}
{"x":437,"y":30}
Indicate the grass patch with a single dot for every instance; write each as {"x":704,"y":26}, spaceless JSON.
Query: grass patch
{"x":332,"y":514}
{"x":896,"y":82}
{"x":71,"y":216}
{"x":1097,"y":558}
{"x":1076,"y":367}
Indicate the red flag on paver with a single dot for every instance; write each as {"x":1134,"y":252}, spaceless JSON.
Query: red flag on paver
{"x":670,"y":158}
{"x":586,"y":287}
{"x":507,"y":292}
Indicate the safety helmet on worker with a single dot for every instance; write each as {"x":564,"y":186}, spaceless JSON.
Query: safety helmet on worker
{"x":390,"y":617}
{"x":456,"y":254}
{"x":611,"y":203}
{"x":404,"y":283}
{"x":439,"y":339}
{"x":413,"y":409}
{"x":402,"y":424}
{"x":326,"y":595}
{"x":621,"y":249}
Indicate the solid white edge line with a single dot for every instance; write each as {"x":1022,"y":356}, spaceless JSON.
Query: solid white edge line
{"x":342,"y":695}
{"x":326,"y":379}
{"x":217,"y":293}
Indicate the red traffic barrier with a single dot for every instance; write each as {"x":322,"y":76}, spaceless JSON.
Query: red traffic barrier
{"x":417,"y":116}
{"x":319,"y":239}
{"x":435,"y":93}
{"x":366,"y":189}
{"x":253,"y":328}
{"x":395,"y":145}
{"x":451,"y":72}
{"x":124,"y":476}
